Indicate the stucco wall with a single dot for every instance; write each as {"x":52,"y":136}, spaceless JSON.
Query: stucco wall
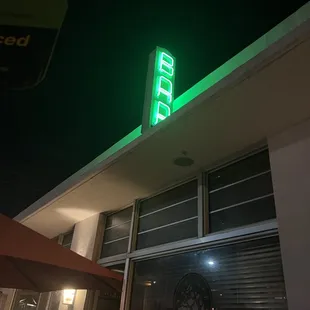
{"x":290,"y":165}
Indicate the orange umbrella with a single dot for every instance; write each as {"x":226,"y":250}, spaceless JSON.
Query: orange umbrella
{"x":30,"y":261}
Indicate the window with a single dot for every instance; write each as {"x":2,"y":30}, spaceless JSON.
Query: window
{"x":54,"y":301}
{"x":67,"y":240}
{"x":241,"y":193}
{"x":108,"y":302}
{"x":116,"y":234}
{"x":244,"y":275}
{"x":168,"y":217}
{"x":111,"y":301}
{"x":25,"y":300}
{"x":3,"y":298}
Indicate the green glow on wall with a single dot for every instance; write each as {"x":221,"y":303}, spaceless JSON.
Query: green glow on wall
{"x":163,"y":87}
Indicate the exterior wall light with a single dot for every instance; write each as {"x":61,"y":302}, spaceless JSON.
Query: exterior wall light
{"x":68,"y":297}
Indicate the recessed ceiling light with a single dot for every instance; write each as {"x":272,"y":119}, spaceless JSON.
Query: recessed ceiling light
{"x":183,"y":161}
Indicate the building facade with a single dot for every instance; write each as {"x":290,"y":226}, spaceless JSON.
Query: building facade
{"x":208,"y":209}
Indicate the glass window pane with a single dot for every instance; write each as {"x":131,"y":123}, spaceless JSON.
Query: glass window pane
{"x":253,"y":212}
{"x":168,"y":216}
{"x":3,"y":297}
{"x":117,"y":227}
{"x":55,"y":300}
{"x":241,"y":192}
{"x":245,"y":275}
{"x":171,"y":233}
{"x":67,"y":240}
{"x":115,"y":248}
{"x":26,"y":300}
{"x":240,"y":170}
{"x":176,"y":205}
{"x":175,"y":195}
{"x":119,"y":217}
{"x":110,"y":301}
{"x":117,"y":232}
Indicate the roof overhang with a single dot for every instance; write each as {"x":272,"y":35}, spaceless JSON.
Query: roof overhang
{"x":258,"y":93}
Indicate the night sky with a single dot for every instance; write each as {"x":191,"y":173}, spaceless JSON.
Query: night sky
{"x":94,"y":90}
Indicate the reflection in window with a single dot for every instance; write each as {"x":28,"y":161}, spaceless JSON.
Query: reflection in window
{"x":239,"y":276}
{"x":26,"y":300}
{"x":108,"y":301}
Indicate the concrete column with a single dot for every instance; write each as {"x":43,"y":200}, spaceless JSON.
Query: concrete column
{"x":85,"y":242}
{"x":290,"y":166}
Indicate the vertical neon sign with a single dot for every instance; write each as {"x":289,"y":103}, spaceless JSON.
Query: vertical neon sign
{"x":159,"y":94}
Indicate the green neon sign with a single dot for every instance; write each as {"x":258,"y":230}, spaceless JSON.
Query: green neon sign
{"x":159,"y":89}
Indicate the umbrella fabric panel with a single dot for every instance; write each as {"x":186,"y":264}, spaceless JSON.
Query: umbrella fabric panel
{"x":21,"y":242}
{"x":43,"y":278}
{"x":30,"y":261}
{"x":9,"y":276}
